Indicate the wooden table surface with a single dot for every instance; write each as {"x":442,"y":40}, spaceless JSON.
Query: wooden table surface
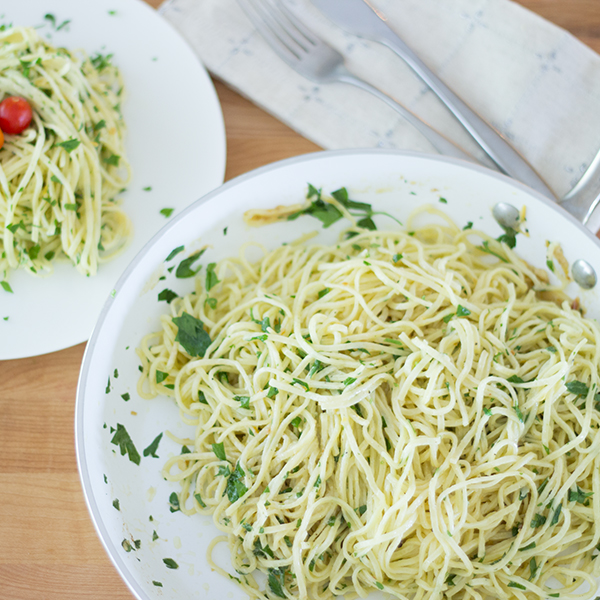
{"x":48,"y":547}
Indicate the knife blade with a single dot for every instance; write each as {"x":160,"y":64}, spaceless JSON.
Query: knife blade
{"x":360,"y":18}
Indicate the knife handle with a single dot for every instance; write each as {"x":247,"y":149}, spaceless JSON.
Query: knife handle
{"x":496,"y":147}
{"x":439,"y":142}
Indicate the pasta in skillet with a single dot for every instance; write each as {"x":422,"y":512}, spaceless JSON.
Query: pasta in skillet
{"x":401,"y":411}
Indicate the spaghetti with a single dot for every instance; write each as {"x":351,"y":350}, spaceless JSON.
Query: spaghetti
{"x":59,"y":179}
{"x":400,"y":411}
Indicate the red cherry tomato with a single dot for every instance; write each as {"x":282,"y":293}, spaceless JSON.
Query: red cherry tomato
{"x":15,"y":115}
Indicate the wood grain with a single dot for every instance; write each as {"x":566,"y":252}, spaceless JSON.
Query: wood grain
{"x":48,"y":547}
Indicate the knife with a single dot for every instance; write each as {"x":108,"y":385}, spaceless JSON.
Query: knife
{"x":359,"y":18}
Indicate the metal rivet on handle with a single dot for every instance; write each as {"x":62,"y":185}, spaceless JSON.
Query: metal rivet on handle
{"x":584,"y":274}
{"x":506,"y":215}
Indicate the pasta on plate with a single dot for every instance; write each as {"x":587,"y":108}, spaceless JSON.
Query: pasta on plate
{"x":413,"y":411}
{"x":60,"y":178}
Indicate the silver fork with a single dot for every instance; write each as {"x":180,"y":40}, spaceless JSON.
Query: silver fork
{"x":318,"y":61}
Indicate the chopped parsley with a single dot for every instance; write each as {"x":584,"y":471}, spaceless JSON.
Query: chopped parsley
{"x":211,"y":277}
{"x":69,"y":145}
{"x":219,"y":451}
{"x":578,"y":388}
{"x":235,"y":484}
{"x":171,"y":564}
{"x":174,"y":253}
{"x":174,"y":502}
{"x":166,"y":212}
{"x":153,"y":447}
{"x":302,"y":383}
{"x":167,"y":296}
{"x":122,"y":439}
{"x":514,"y":584}
{"x":276,"y":581}
{"x":191,"y":334}
{"x":537,"y":521}
{"x":579,"y":496}
{"x":185,"y":270}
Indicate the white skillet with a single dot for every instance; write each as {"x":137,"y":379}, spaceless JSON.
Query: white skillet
{"x":392,"y":181}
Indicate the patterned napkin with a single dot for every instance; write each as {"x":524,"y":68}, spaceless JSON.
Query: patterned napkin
{"x":530,"y":79}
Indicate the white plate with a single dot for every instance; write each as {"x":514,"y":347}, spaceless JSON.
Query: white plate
{"x":384,"y":178}
{"x":175,"y":143}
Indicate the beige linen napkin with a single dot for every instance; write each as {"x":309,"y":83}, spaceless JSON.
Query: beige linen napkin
{"x":530,"y":79}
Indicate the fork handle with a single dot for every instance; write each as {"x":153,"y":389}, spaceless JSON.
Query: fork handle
{"x":440,"y":143}
{"x":495,"y":146}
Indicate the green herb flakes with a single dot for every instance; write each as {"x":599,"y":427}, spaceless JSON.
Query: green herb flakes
{"x":153,"y":447}
{"x":219,"y":451}
{"x":171,"y":564}
{"x":191,"y":335}
{"x":122,"y":439}
{"x":185,"y":270}
{"x":167,"y":296}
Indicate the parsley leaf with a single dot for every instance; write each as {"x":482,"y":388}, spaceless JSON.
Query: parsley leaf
{"x":174,"y":502}
{"x":277,"y":581}
{"x":219,"y":450}
{"x":191,"y":334}
{"x":69,"y":145}
{"x":174,"y":253}
{"x":112,"y":160}
{"x":461,"y":311}
{"x":538,"y":520}
{"x":166,"y":212}
{"x":509,"y":237}
{"x":514,"y":584}
{"x":577,"y":387}
{"x":211,"y":277}
{"x":153,"y":447}
{"x":171,"y":564}
{"x":302,"y":383}
{"x":167,"y":295}
{"x":184,"y":269}
{"x":580,"y":496}
{"x":235,"y":484}
{"x":243,"y":400}
{"x":122,"y":439}
{"x":485,"y":247}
